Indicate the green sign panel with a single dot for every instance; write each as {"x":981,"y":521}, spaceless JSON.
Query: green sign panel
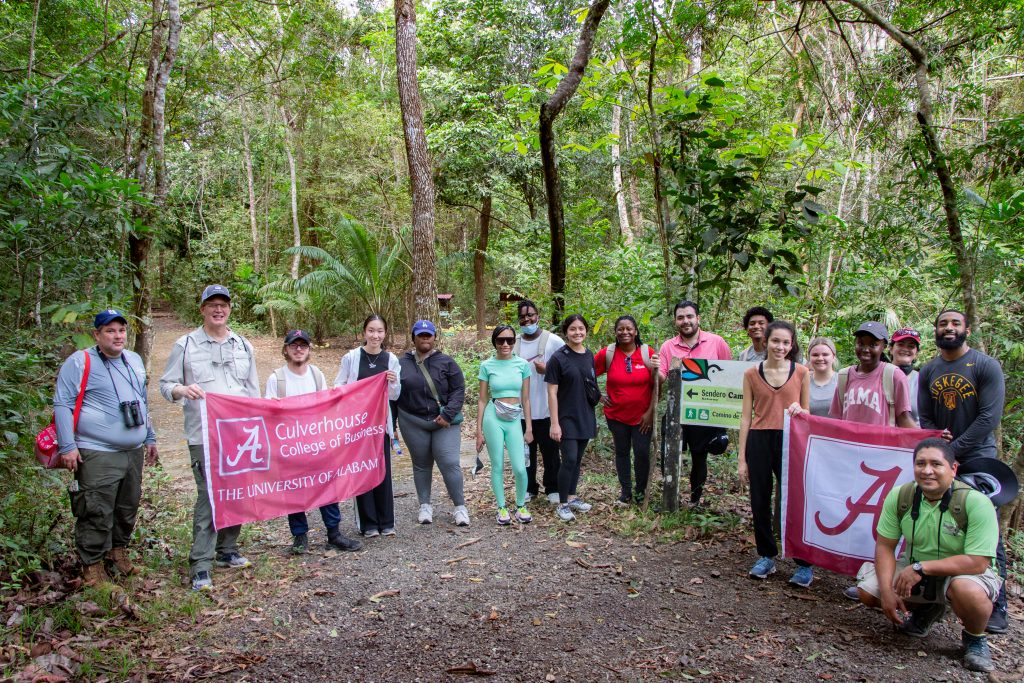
{"x":712,"y":392}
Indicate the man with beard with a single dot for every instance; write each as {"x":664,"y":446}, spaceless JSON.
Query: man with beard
{"x":693,"y":342}
{"x":962,"y":391}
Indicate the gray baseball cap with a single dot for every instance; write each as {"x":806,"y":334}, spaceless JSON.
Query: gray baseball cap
{"x":875,"y":329}
{"x":214,"y":290}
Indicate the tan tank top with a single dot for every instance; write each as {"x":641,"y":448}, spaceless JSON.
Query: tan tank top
{"x":770,"y":403}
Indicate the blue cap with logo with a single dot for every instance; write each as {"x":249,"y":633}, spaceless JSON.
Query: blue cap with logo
{"x":108,"y":316}
{"x":215,"y":290}
{"x":423,"y":327}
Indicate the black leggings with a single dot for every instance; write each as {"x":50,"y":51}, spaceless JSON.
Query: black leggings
{"x":625,"y":438}
{"x":764,"y":461}
{"x":569,"y":469}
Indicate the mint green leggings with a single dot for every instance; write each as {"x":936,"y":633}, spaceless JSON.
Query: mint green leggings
{"x":500,"y":434}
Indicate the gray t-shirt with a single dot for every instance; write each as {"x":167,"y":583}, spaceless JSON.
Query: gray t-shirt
{"x":751,"y":356}
{"x":101,"y":425}
{"x":821,"y":395}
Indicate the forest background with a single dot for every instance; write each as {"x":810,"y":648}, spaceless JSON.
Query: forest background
{"x":836,"y":160}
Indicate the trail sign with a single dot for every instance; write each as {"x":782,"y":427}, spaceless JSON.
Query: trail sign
{"x":712,"y":392}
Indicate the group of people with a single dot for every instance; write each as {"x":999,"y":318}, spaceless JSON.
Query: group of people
{"x":537,"y":400}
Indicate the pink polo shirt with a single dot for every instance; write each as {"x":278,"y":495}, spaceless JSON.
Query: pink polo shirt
{"x":709,"y":346}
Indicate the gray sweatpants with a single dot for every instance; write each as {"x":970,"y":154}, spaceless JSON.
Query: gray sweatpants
{"x":428,"y":444}
{"x":204,"y":539}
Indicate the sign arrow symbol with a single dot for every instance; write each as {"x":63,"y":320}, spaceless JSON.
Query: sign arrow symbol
{"x":690,"y":393}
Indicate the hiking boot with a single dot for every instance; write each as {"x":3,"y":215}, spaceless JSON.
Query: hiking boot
{"x":803,"y":576}
{"x":852,"y":593}
{"x":232,"y":561}
{"x":94,"y":574}
{"x":623,"y":501}
{"x":339,"y":541}
{"x":426,"y":515}
{"x":202,"y":581}
{"x":762,"y":569}
{"x":565,"y":513}
{"x":503,"y":517}
{"x":461,"y":515}
{"x":977,"y":655}
{"x":580,"y":505}
{"x":371,"y":533}
{"x":300,"y":544}
{"x":523,"y":515}
{"x":997,"y":621}
{"x":921,"y":620}
{"x":119,"y":558}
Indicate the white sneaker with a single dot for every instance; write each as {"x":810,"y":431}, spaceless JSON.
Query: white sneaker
{"x":529,"y":497}
{"x":426,"y":514}
{"x":564,"y":513}
{"x":553,"y":498}
{"x":580,"y":505}
{"x":461,"y":515}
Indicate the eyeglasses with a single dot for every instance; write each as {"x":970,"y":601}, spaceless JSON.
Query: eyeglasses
{"x":505,"y":341}
{"x":295,"y":346}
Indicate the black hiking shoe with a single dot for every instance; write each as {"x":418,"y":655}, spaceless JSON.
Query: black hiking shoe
{"x":300,"y":544}
{"x":339,"y":541}
{"x":922,"y":619}
{"x":997,"y":621}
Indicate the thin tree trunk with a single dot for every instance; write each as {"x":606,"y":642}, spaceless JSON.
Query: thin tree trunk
{"x":424,"y":273}
{"x":660,"y":203}
{"x":939,"y":161}
{"x":617,"y":186}
{"x":293,"y":182}
{"x":250,"y":182}
{"x":478,"y":269}
{"x":166,"y":37}
{"x":636,"y":215}
{"x":549,"y":111}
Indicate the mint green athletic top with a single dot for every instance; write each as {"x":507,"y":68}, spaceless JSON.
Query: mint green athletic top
{"x":504,"y":377}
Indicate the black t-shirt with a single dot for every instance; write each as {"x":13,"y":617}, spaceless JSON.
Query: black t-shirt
{"x":966,"y":397}
{"x":567,"y":369}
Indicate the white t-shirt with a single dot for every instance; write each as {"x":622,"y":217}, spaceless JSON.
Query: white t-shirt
{"x":538,"y":389}
{"x":296,"y":385}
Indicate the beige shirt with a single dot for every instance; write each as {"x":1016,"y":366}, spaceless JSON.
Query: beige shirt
{"x":226,"y":367}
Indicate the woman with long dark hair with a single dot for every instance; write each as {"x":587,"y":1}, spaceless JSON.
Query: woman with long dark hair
{"x":504,"y":404}
{"x":375,"y":509}
{"x":771,"y":388}
{"x":572,"y":396}
{"x":629,"y":403}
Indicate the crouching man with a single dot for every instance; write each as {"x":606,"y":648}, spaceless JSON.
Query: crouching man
{"x":950,"y":533}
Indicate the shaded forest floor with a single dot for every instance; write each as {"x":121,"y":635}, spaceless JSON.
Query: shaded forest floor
{"x":616,"y":596}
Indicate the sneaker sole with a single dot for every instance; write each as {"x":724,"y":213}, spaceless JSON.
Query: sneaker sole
{"x":228,"y":565}
{"x":524,"y":520}
{"x":761,"y":577}
{"x":800,"y":585}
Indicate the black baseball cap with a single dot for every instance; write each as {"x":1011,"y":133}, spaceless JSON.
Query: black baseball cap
{"x":296,"y":334}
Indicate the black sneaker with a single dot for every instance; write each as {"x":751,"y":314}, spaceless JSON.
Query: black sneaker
{"x":300,"y":544}
{"x":977,"y":655}
{"x":921,"y":620}
{"x":340,"y":541}
{"x":997,"y":621}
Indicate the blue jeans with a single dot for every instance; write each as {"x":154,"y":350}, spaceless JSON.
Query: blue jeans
{"x":330,"y":513}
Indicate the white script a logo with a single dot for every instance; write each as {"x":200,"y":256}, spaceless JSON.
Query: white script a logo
{"x":243,"y":444}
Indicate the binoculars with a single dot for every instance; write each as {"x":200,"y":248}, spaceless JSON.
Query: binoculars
{"x":132,"y":414}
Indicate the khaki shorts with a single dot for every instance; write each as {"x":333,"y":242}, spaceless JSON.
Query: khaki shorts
{"x":867,"y":581}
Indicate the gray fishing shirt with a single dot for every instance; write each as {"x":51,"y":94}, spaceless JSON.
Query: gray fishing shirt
{"x":101,"y":424}
{"x":226,"y":367}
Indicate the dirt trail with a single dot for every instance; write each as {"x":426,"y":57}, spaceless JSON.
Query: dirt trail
{"x":541,"y":602}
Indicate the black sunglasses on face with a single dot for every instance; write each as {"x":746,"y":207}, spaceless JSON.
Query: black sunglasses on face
{"x":505,"y":341}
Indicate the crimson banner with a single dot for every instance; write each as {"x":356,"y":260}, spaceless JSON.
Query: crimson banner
{"x":269,"y":457}
{"x":835,"y":476}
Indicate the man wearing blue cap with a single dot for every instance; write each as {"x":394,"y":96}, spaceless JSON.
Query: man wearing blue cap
{"x":210,"y":358}
{"x":106,"y":445}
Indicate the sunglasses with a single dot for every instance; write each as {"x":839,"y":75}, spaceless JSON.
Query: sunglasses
{"x":629,"y":365}
{"x":507,"y":341}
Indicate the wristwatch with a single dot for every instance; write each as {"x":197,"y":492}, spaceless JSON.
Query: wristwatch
{"x":919,"y":568}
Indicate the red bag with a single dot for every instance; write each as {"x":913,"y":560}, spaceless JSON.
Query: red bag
{"x":46,"y":440}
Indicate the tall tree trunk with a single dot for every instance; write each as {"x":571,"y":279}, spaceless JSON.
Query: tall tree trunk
{"x":660,"y":203}
{"x":293,"y":182}
{"x":166,"y":37}
{"x":549,"y":111}
{"x":250,"y":182}
{"x":617,"y":186}
{"x":478,"y":269}
{"x":939,"y":161}
{"x":636,"y":209}
{"x":421,"y":181}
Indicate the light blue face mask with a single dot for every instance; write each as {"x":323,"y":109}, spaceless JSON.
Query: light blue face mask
{"x":530,"y":329}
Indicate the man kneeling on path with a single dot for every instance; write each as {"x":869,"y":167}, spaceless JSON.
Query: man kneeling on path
{"x":951,"y":532}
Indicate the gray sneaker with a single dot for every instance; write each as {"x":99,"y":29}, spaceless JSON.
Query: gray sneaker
{"x":565,"y":513}
{"x":461,"y":515}
{"x":232,"y":561}
{"x":202,"y":581}
{"x":921,"y":620}
{"x":580,"y":505}
{"x":426,"y":515}
{"x":977,"y":655}
{"x":552,"y":498}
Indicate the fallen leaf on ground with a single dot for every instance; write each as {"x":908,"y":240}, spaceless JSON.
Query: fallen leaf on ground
{"x":494,"y":615}
{"x":471,"y":669}
{"x":696,"y":581}
{"x":377,"y":597}
{"x":475,"y":579}
{"x":89,"y":609}
{"x":312,"y":617}
{"x":575,"y":544}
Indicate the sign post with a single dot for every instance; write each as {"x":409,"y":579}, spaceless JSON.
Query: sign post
{"x":671,"y":438}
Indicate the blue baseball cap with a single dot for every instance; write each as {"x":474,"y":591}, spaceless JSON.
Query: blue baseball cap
{"x":424,"y":327}
{"x":105,"y":317}
{"x":214,"y":290}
